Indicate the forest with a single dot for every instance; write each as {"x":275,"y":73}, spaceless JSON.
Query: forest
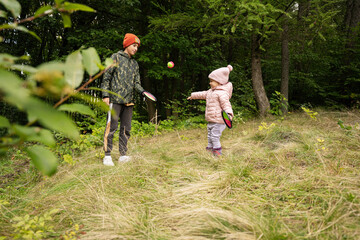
{"x":290,"y":166}
{"x":306,"y":50}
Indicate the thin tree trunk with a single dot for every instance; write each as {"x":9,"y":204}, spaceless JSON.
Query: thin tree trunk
{"x":301,"y":38}
{"x":285,"y":63}
{"x":352,"y":20}
{"x":174,"y":86}
{"x":304,"y":6}
{"x":167,"y":94}
{"x":256,"y":75}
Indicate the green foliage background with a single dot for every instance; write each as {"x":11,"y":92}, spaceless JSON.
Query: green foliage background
{"x":200,"y":36}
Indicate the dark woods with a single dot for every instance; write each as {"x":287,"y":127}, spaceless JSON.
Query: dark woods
{"x":307,"y":50}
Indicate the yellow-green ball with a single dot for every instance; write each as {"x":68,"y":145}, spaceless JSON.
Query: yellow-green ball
{"x":170,"y":64}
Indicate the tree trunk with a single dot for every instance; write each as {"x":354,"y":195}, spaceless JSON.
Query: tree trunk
{"x":167,"y":95}
{"x":352,"y":20}
{"x":231,"y":45}
{"x":304,"y":6}
{"x":285,"y":63}
{"x":256,"y":76}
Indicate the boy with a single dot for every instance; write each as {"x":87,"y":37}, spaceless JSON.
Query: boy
{"x":123,"y":78}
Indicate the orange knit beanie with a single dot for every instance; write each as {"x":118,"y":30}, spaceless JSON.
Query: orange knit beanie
{"x":130,"y":39}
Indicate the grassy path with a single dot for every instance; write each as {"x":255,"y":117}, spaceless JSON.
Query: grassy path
{"x":298,"y":179}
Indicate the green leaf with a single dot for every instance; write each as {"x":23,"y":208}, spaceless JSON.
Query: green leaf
{"x":72,"y":7}
{"x":91,"y":60}
{"x":51,"y":118}
{"x":76,"y":107}
{"x":42,"y":10}
{"x":20,"y":28}
{"x":13,"y":6}
{"x":90,"y":99}
{"x":341,"y":123}
{"x":23,"y":68}
{"x":4,"y":122}
{"x":6,"y":59}
{"x":44,"y":136}
{"x":53,"y":211}
{"x":58,"y":2}
{"x":321,"y":36}
{"x":108,"y":62}
{"x":24,"y":131}
{"x":35,"y":134}
{"x":66,"y":20}
{"x":24,"y":29}
{"x":3,"y":14}
{"x":74,"y":71}
{"x":11,"y":86}
{"x":43,"y":159}
{"x":52,"y":66}
{"x":103,"y":90}
{"x":6,"y":26}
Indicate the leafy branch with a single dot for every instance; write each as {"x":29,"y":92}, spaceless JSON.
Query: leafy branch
{"x":27,"y":89}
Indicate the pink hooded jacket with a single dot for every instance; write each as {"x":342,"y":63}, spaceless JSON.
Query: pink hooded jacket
{"x":217,"y":99}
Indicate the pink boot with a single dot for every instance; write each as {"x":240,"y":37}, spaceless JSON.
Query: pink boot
{"x":217,"y":152}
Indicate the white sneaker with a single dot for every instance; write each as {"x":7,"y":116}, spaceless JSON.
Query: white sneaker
{"x":124,"y":159}
{"x":108,"y":161}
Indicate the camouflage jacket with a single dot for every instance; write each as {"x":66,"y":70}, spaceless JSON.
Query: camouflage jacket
{"x":122,"y":79}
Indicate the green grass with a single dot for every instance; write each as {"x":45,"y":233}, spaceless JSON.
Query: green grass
{"x":297,"y":180}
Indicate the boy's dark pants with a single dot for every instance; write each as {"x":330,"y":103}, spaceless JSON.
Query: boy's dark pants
{"x":124,"y":113}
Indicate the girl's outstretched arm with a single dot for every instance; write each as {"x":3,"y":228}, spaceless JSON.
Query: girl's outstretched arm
{"x":198,"y":95}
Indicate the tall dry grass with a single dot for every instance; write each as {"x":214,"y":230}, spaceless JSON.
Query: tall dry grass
{"x":298,"y":179}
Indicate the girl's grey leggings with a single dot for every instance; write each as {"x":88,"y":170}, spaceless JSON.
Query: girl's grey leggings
{"x":214,"y":133}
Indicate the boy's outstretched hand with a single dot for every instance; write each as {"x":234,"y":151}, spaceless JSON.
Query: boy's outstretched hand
{"x":189,"y":98}
{"x":106,"y":100}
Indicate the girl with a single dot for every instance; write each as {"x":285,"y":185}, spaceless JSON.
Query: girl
{"x":217,"y":99}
